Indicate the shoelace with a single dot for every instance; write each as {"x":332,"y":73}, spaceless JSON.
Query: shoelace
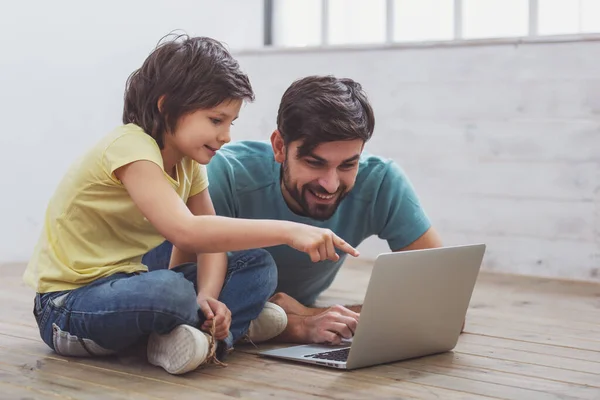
{"x":211,"y":358}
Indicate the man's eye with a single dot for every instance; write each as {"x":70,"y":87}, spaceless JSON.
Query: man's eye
{"x":347,"y":166}
{"x":314,"y":163}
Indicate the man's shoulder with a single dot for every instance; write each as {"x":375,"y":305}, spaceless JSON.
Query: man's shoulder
{"x":373,"y":169}
{"x":249,"y":164}
{"x":248,"y":149}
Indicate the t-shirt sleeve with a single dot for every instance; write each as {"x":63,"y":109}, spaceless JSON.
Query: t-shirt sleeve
{"x":128,"y":148}
{"x":399,"y":216}
{"x":222,"y":186}
{"x":199,"y":179}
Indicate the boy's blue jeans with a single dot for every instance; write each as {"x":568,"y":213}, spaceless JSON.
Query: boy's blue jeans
{"x":113,"y":313}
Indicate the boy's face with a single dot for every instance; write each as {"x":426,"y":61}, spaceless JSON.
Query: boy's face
{"x":314,"y":185}
{"x":200,"y":134}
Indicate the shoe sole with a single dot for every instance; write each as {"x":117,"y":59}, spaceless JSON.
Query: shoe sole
{"x":179,"y":351}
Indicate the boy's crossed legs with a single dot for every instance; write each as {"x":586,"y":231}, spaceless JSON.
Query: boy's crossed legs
{"x":113,"y":313}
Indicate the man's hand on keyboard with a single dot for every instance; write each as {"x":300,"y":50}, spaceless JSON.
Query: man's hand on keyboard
{"x":331,"y":326}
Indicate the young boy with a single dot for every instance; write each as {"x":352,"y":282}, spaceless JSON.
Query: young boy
{"x":146,"y":182}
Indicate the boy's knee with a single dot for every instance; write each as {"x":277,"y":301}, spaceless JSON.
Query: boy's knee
{"x":261,"y":266}
{"x":176,"y":293}
{"x":266,"y":271}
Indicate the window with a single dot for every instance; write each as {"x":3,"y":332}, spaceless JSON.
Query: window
{"x":301,"y":22}
{"x":590,"y":15}
{"x":568,"y":16}
{"x":558,"y":17}
{"x":297,"y":23}
{"x":418,"y":20}
{"x":495,"y":18}
{"x":356,"y":21}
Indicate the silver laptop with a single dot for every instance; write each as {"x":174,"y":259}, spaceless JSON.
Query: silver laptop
{"x":415,"y":305}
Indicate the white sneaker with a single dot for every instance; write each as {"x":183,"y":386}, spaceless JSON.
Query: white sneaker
{"x":182,"y":350}
{"x":271,"y":321}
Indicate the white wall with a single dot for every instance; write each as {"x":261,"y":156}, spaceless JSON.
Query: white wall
{"x":63,"y":67}
{"x":501,"y":141}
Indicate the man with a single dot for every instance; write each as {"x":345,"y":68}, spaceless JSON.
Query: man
{"x":314,"y":171}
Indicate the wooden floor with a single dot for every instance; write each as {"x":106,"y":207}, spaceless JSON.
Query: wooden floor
{"x":526,"y":338}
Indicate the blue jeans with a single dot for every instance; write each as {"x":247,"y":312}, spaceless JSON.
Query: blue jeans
{"x":115,"y":312}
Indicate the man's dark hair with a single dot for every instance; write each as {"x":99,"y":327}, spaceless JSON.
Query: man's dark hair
{"x":319,"y":109}
{"x":191,"y":73}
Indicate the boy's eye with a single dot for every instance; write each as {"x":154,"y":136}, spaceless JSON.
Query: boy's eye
{"x":216,"y":121}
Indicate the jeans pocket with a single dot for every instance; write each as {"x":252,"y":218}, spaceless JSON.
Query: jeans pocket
{"x":66,"y":344}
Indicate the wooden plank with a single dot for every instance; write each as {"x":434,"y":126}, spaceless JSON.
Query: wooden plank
{"x":589,"y":367}
{"x":133,"y":373}
{"x":530,"y":347}
{"x":21,"y":379}
{"x":544,"y":387}
{"x":533,"y":316}
{"x":19,"y":331}
{"x":533,"y":338}
{"x":543,"y":326}
{"x":493,"y":364}
{"x":247,"y":376}
{"x":552,"y":382}
{"x":9,"y":391}
{"x":445,"y":378}
{"x":508,"y":333}
{"x":540,"y":285}
{"x":349,"y":384}
{"x":91,"y":380}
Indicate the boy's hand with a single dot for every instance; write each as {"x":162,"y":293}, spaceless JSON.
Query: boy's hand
{"x":214,"y":309}
{"x":318,"y":243}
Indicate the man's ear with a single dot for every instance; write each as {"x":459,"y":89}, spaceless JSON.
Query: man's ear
{"x":278,"y":146}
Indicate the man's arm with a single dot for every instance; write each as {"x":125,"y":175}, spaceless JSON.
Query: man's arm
{"x":429,"y":240}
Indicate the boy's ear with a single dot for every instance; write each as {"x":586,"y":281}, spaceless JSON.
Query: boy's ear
{"x":160,"y":102}
{"x":278,"y":146}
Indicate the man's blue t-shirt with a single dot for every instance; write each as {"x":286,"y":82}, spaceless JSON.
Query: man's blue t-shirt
{"x":245,"y":183}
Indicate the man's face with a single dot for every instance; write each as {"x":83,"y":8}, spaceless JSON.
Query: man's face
{"x":315,"y":184}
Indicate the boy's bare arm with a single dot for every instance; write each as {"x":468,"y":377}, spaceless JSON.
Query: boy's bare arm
{"x":160,"y":204}
{"x":211,"y":266}
{"x":211,"y":272}
{"x":179,"y":257}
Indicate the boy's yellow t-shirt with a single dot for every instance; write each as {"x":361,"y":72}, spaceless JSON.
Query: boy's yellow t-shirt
{"x":92,"y":228}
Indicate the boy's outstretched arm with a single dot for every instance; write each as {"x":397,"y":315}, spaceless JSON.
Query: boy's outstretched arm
{"x":160,"y":204}
{"x":212,"y":268}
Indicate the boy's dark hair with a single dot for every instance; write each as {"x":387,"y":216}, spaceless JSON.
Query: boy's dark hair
{"x":319,"y":109}
{"x":191,"y":73}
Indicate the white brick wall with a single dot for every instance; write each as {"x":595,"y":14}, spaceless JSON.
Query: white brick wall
{"x":502,"y":140}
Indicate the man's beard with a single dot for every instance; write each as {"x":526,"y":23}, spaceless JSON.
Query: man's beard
{"x":321,"y":212}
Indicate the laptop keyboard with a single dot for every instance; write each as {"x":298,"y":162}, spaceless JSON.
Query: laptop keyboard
{"x":335,"y":355}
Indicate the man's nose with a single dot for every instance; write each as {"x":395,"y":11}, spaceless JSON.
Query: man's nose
{"x":330,"y":182}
